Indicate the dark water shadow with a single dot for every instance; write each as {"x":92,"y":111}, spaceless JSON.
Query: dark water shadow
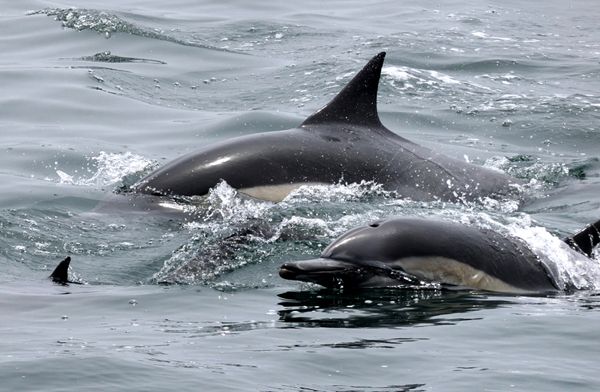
{"x":589,"y":301}
{"x":383,"y":307}
{"x":350,"y":388}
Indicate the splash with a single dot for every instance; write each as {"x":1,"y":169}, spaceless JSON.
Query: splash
{"x":90,"y":19}
{"x":225,"y":204}
{"x":105,"y":23}
{"x":510,"y":103}
{"x":231,"y":230}
{"x":338,"y":193}
{"x":424,"y":81}
{"x":108,"y":169}
{"x":239,"y":232}
{"x":226,"y":224}
{"x":574,"y":269}
{"x":530,"y":168}
{"x":407,"y":78}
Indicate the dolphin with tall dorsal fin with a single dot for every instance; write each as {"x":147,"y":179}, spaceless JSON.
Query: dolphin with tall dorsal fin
{"x":343,"y":141}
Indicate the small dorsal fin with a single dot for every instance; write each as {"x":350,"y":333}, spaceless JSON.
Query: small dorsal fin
{"x":61,"y":272}
{"x":357,"y":102}
{"x":585,"y":240}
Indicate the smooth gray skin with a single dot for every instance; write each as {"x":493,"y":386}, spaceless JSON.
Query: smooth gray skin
{"x":383,"y":252}
{"x":343,"y":142}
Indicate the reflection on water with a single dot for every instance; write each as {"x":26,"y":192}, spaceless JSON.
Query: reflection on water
{"x":383,"y":307}
{"x":588,"y":300}
{"x":353,"y":388}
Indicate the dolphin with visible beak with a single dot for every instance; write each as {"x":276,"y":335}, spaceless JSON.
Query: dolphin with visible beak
{"x":410,"y":251}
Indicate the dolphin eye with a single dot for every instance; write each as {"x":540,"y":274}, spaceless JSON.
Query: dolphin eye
{"x":374,"y":224}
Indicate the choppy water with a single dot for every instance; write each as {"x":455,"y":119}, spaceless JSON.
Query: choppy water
{"x":95,"y":97}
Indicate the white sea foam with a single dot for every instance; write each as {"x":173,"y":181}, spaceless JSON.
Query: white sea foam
{"x":483,"y":35}
{"x":107,"y":169}
{"x":225,"y":203}
{"x":337,"y":192}
{"x":406,"y":79}
{"x":574,"y":269}
{"x":443,"y":77}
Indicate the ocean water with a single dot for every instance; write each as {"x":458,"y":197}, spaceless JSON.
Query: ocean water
{"x":96,"y":94}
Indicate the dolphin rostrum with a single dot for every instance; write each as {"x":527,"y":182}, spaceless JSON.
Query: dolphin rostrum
{"x":343,"y":142}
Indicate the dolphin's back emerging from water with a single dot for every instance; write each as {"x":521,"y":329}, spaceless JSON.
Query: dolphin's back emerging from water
{"x":344,"y":141}
{"x":396,"y":251}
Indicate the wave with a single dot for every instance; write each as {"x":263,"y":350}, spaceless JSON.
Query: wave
{"x":108,"y":24}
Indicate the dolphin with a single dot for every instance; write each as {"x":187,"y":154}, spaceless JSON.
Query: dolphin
{"x":410,"y":251}
{"x":344,"y":141}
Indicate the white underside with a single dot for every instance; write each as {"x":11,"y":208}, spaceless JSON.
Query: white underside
{"x":274,"y":193}
{"x":449,"y":271}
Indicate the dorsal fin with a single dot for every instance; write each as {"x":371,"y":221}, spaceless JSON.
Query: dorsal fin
{"x":357,"y":102}
{"x":585,"y":240}
{"x":61,"y":272}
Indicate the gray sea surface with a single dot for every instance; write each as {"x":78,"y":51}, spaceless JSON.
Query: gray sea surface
{"x":94,"y":95}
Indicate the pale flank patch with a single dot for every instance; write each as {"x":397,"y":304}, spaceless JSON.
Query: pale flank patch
{"x":274,"y":193}
{"x":449,"y":271}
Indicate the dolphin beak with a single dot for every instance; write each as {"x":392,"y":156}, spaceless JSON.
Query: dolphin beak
{"x":336,"y":273}
{"x":295,"y":270}
{"x":325,"y":272}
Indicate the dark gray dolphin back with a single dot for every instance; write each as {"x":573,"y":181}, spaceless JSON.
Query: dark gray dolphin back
{"x":507,"y":259}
